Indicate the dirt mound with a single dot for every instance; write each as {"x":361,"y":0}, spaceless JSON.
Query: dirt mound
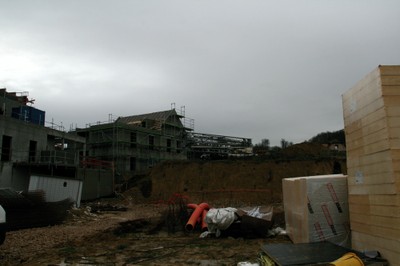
{"x":305,"y":150}
{"x":227,"y":183}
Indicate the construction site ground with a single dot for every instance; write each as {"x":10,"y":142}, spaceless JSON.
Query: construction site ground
{"x":135,"y":235}
{"x":140,"y":233}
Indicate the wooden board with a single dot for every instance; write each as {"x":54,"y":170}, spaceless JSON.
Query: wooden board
{"x":368,"y":159}
{"x":380,"y":189}
{"x":374,"y":220}
{"x":392,"y":257}
{"x":371,"y":112}
{"x":357,"y":129}
{"x":367,"y":135}
{"x":359,"y":112}
{"x":376,"y":242}
{"x":371,"y":179}
{"x":385,"y":200}
{"x":356,"y":88}
{"x":390,"y":80}
{"x":372,"y":143}
{"x":390,"y":90}
{"x":377,"y":200}
{"x":389,"y":70}
{"x":359,"y":199}
{"x":393,"y":121}
{"x":375,"y":210}
{"x":389,"y":233}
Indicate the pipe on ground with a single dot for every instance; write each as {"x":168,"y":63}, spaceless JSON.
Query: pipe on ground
{"x":204,"y":226}
{"x":195,"y":215}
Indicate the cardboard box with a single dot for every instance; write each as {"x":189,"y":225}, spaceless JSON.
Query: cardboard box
{"x":316,"y":209}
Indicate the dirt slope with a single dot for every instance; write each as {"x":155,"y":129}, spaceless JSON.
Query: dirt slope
{"x":222,"y":183}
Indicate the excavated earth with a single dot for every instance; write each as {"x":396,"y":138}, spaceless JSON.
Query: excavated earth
{"x":139,"y":229}
{"x":137,"y":236}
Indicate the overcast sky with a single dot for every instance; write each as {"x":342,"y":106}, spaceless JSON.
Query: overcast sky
{"x":249,"y":68}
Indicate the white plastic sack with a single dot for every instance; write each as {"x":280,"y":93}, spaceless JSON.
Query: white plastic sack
{"x":220,"y":219}
{"x":246,"y":263}
{"x":255,"y":212}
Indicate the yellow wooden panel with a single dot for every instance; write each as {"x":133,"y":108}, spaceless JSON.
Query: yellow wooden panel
{"x":361,"y":96}
{"x":380,"y":221}
{"x":381,"y":135}
{"x":359,"y":208}
{"x":356,"y":88}
{"x":389,"y":211}
{"x":378,"y":146}
{"x":355,"y":152}
{"x":371,"y":119}
{"x":394,"y":143}
{"x":377,"y":241}
{"x":389,"y":70}
{"x":359,"y":200}
{"x":390,"y":90}
{"x":360,"y":112}
{"x":368,"y":129}
{"x":393,"y":121}
{"x":396,"y":165}
{"x":395,"y":154}
{"x":375,"y":200}
{"x":372,"y":169}
{"x":386,"y":200}
{"x":368,"y":159}
{"x":369,"y":133}
{"x":383,"y":232}
{"x":350,"y":128}
{"x":380,"y":189}
{"x":390,"y":80}
{"x":377,"y":210}
{"x":394,"y":133}
{"x":371,"y":179}
{"x":389,"y":248}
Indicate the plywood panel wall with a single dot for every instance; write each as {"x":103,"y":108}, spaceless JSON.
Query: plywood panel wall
{"x":371,"y":112}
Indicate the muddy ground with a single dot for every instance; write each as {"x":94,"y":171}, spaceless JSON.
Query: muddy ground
{"x":129,"y":234}
{"x":145,"y":234}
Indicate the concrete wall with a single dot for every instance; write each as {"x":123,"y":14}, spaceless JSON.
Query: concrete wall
{"x":21,"y":134}
{"x":20,"y":178}
{"x":57,"y":189}
{"x":5,"y":174}
{"x":97,"y":183}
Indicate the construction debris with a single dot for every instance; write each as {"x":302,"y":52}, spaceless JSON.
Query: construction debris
{"x":318,"y":253}
{"x":30,"y":209}
{"x":101,"y":207}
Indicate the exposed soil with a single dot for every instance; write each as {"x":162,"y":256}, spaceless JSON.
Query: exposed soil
{"x":141,"y":231}
{"x":137,"y":236}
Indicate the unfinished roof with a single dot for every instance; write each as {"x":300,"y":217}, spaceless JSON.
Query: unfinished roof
{"x":162,"y":115}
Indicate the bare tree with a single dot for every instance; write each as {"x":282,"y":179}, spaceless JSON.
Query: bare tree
{"x":285,"y":143}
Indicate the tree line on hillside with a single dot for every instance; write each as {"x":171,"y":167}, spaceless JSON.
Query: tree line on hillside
{"x":335,"y":137}
{"x":264,"y":148}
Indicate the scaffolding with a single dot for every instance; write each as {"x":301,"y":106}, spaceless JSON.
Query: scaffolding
{"x":206,"y":146}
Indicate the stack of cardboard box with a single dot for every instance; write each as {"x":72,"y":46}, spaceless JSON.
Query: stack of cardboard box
{"x":371,"y":112}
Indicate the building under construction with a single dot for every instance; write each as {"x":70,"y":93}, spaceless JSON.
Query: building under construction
{"x":36,"y":155}
{"x":95,"y":161}
{"x":134,"y":144}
